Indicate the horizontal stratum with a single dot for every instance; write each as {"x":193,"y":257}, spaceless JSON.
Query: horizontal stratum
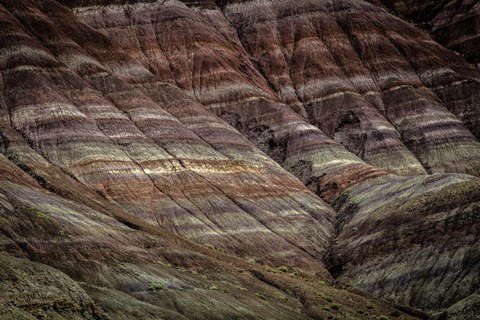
{"x":256,"y":159}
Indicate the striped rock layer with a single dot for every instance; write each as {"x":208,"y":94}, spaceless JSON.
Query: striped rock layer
{"x":325,"y":139}
{"x":89,"y":259}
{"x":453,"y":23}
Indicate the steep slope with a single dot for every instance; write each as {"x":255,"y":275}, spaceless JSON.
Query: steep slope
{"x":453,"y":23}
{"x":414,"y":121}
{"x":132,"y":270}
{"x":380,"y":127}
{"x":128,"y":126}
{"x":113,"y":138}
{"x":370,"y":81}
{"x":415,"y":248}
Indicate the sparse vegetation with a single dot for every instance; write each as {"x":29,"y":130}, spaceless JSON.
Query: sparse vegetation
{"x":283,"y":269}
{"x":154,"y":286}
{"x":164,"y":264}
{"x":382,"y":317}
{"x":42,"y":215}
{"x":281,"y":297}
{"x":260,"y":295}
{"x":335,"y":307}
{"x":272,"y":270}
{"x":209,"y":246}
{"x":211,"y":287}
{"x":212,"y":247}
{"x":293,"y":274}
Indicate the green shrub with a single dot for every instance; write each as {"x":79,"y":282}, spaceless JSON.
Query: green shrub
{"x":211,"y":287}
{"x":42,"y":215}
{"x":155,"y":286}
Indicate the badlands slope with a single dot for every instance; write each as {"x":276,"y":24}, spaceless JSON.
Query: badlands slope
{"x":234,"y":160}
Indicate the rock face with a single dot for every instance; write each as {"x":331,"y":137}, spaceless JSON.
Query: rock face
{"x":229,"y":159}
{"x":453,"y":23}
{"x":415,"y":249}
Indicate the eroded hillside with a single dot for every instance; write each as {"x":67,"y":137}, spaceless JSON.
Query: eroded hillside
{"x":233,"y":160}
{"x":453,"y":23}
